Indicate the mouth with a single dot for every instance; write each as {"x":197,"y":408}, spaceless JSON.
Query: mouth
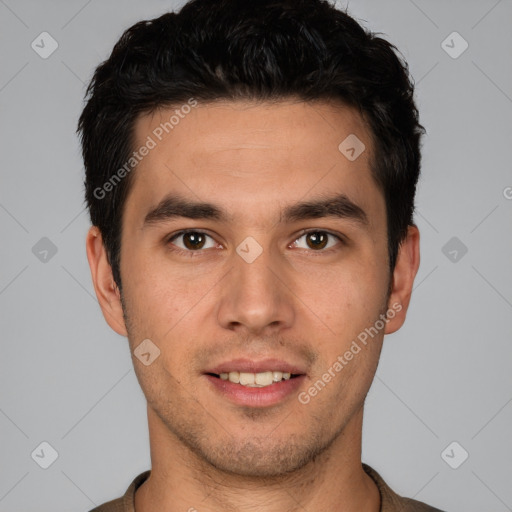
{"x":256,"y":384}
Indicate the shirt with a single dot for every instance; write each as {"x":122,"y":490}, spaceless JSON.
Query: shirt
{"x":389,"y":500}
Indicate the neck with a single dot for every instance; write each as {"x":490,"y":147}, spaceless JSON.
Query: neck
{"x":181,"y":481}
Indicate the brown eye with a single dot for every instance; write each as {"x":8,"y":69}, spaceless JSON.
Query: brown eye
{"x":192,"y":241}
{"x":317,"y":240}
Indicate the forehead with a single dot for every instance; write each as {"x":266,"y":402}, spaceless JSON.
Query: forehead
{"x":225,"y":125}
{"x":252,"y":155}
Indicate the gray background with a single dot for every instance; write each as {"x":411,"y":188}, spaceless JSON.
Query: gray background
{"x":67,"y":379}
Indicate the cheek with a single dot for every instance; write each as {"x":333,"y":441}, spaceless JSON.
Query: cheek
{"x":148,"y":298}
{"x":166,"y":307}
{"x":351,"y":298}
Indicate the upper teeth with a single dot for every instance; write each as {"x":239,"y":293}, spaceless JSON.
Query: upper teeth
{"x":255,"y":380}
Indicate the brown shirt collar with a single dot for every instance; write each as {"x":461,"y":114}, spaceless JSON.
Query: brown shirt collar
{"x":389,"y":500}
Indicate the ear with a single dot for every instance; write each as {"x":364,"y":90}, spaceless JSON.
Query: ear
{"x":407,"y":263}
{"x":106,"y":290}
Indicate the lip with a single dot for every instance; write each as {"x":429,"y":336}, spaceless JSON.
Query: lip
{"x":256,"y":397}
{"x":251,"y":366}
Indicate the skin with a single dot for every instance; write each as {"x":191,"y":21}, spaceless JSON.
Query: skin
{"x":295,"y":302}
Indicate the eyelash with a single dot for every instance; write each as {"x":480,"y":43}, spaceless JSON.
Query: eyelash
{"x":192,"y":254}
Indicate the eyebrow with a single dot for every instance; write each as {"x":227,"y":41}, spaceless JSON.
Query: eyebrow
{"x":338,"y":206}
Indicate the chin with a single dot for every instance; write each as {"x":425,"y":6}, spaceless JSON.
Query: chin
{"x":260,"y":457}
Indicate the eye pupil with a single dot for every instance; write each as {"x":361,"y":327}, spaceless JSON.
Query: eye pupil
{"x":319,"y":240}
{"x":193,"y":240}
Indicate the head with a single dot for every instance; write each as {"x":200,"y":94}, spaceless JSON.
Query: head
{"x":242,"y":108}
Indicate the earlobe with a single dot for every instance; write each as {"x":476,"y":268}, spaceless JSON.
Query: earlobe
{"x":406,"y":268}
{"x":107,"y":292}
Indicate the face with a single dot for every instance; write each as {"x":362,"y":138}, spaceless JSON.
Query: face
{"x":253,"y":248}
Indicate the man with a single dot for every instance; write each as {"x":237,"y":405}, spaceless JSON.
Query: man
{"x":250,"y":174}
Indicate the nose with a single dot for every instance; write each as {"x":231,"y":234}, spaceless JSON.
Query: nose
{"x":256,"y":297}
